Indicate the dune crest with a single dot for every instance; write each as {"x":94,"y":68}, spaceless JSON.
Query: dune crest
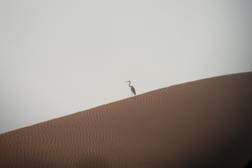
{"x":206,"y":123}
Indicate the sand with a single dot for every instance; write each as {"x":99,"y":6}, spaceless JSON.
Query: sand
{"x":205,"y":123}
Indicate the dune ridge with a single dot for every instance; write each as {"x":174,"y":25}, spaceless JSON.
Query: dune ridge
{"x":205,"y":123}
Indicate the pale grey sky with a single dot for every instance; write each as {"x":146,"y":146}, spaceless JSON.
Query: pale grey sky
{"x":58,"y":57}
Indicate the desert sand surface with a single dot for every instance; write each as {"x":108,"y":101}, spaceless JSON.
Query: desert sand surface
{"x":201,"y":124}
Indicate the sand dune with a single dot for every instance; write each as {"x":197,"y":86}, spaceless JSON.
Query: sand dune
{"x":206,"y":123}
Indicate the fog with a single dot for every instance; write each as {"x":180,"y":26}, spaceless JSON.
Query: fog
{"x":59,"y":57}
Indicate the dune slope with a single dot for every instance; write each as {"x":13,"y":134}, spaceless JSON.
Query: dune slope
{"x":206,"y":123}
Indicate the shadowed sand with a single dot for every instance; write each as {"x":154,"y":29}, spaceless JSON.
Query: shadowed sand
{"x":206,"y":123}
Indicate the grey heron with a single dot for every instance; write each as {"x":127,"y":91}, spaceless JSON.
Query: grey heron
{"x":133,"y":90}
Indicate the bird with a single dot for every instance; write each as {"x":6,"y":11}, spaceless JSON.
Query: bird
{"x":133,"y":90}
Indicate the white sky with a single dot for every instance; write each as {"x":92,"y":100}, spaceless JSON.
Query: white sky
{"x":58,"y":57}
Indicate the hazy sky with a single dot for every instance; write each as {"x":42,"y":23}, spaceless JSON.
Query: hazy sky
{"x":58,"y":57}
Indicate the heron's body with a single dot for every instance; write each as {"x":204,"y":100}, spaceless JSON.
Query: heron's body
{"x":133,"y":90}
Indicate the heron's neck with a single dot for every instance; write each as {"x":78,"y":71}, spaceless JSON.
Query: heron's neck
{"x":129,"y":84}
